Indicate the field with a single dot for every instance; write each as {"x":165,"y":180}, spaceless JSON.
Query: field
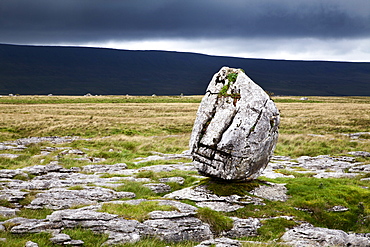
{"x":310,"y":127}
{"x":137,"y":126}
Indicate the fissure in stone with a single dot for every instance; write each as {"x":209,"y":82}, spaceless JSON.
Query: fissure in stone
{"x":233,"y":137}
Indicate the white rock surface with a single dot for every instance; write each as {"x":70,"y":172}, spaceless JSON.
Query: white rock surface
{"x":236,"y":128}
{"x":307,"y":235}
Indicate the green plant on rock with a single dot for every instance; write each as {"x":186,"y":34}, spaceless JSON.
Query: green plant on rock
{"x":232,"y":77}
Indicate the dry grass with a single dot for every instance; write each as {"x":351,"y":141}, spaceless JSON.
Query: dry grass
{"x":99,"y":119}
{"x":324,"y":118}
{"x":149,"y":124}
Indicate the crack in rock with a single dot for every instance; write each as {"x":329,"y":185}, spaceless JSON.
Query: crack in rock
{"x":234,"y":139}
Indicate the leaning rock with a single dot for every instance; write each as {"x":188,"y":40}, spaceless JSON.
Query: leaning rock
{"x":236,"y":128}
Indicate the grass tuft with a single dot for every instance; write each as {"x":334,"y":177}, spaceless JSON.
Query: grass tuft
{"x":135,"y":212}
{"x":217,"y":220}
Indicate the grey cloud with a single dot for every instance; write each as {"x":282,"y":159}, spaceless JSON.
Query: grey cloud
{"x":23,"y":21}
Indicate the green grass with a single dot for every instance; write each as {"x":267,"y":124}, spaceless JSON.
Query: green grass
{"x":319,"y":195}
{"x":77,"y":187}
{"x":316,"y":196}
{"x":137,"y":188}
{"x":135,"y":212}
{"x":272,"y":229}
{"x":90,"y":238}
{"x":19,"y":240}
{"x":216,"y":220}
{"x":302,"y":145}
{"x":34,"y":213}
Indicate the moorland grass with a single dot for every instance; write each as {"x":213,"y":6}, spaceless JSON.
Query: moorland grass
{"x":217,"y":221}
{"x":20,"y":240}
{"x":135,"y":212}
{"x":39,"y":99}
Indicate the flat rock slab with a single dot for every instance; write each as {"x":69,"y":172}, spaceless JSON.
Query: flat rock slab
{"x":307,"y":235}
{"x":205,"y":198}
{"x":236,"y":128}
{"x":61,"y":198}
{"x":273,"y":192}
{"x":220,"y":242}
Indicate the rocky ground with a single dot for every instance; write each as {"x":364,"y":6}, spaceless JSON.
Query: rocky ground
{"x":51,"y":186}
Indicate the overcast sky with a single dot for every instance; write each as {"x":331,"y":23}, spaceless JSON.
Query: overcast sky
{"x":336,"y":30}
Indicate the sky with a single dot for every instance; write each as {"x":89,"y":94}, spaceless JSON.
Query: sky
{"x":330,"y":30}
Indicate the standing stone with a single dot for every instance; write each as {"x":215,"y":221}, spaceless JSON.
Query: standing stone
{"x":236,"y":128}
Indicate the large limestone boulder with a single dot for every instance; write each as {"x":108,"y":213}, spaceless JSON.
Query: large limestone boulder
{"x":236,"y":128}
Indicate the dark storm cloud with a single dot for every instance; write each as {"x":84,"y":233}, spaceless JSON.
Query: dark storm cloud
{"x":44,"y":21}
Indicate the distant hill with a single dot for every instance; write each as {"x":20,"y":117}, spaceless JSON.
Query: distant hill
{"x":77,"y":71}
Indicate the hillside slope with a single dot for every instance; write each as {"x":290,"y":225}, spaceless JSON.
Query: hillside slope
{"x":77,"y":70}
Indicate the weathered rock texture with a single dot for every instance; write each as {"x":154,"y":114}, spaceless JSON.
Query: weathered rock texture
{"x":236,"y":128}
{"x":310,"y":236}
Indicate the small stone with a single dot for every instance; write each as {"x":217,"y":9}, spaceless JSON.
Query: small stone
{"x":360,"y":153}
{"x":74,"y":242}
{"x":179,"y":180}
{"x":338,"y":209}
{"x":60,"y":238}
{"x":243,"y":228}
{"x":9,"y":156}
{"x":31,"y":244}
{"x":220,"y":242}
